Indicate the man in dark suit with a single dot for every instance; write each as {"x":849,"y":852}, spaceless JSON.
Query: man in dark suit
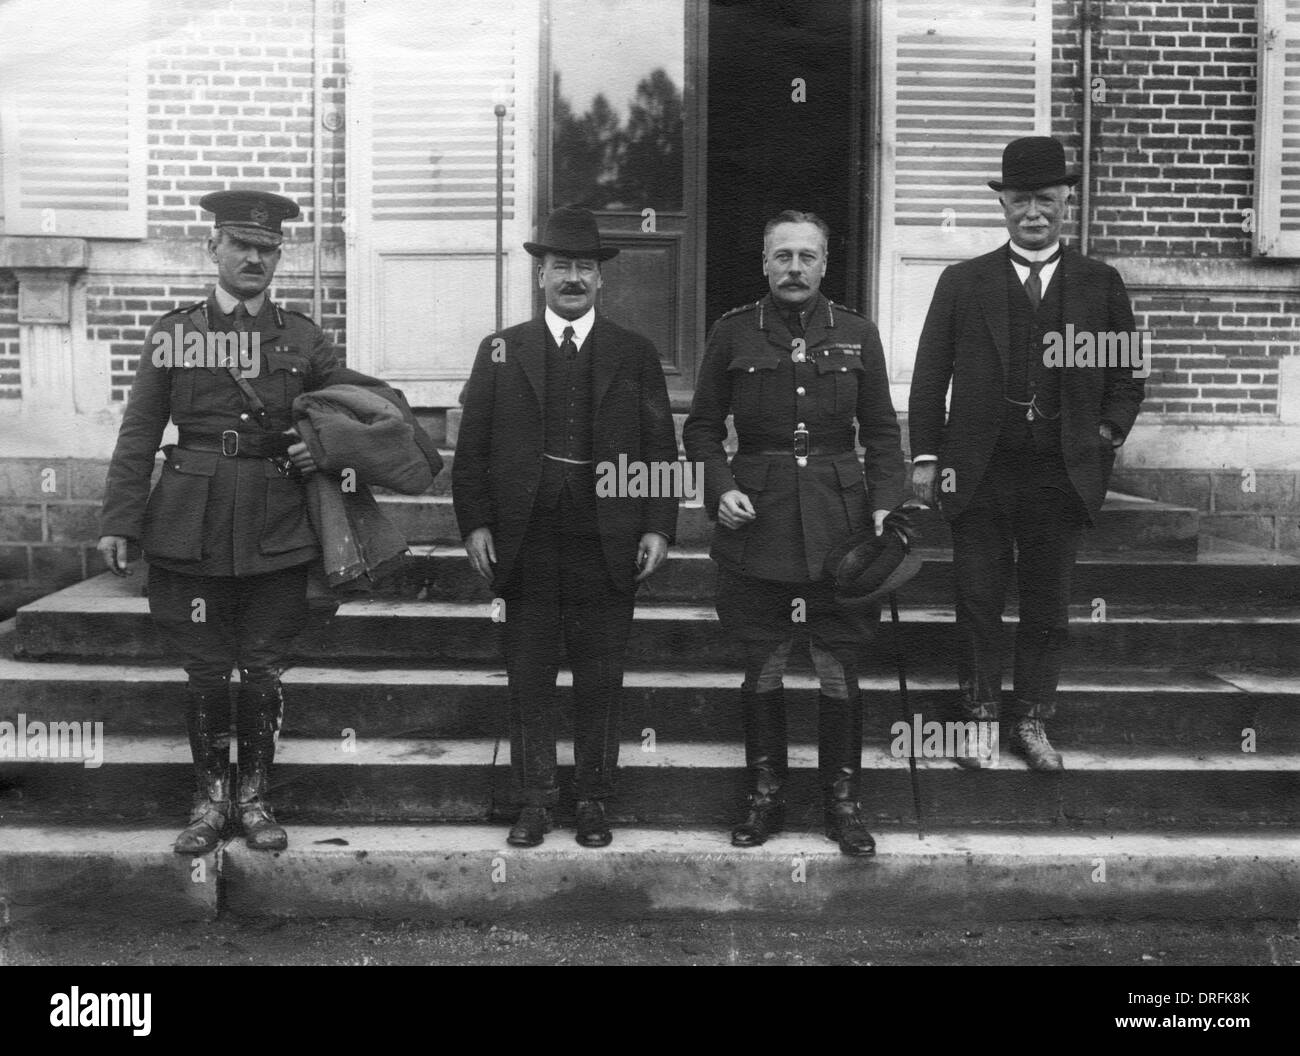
{"x":226,"y":530}
{"x":550,"y":404}
{"x":1021,"y":459}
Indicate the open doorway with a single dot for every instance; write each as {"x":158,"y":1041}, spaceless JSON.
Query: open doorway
{"x":768,"y":152}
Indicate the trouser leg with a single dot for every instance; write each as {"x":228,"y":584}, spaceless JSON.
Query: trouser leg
{"x":982,"y":564}
{"x":597,"y":621}
{"x":532,"y":636}
{"x":1049,"y":529}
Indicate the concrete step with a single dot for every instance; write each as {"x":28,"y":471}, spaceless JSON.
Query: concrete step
{"x":1125,"y":524}
{"x":1126,"y":705}
{"x":105,"y":617}
{"x":450,"y":872}
{"x":336,"y":780}
{"x":443,"y":573}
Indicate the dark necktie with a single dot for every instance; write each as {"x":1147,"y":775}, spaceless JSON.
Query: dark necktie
{"x":243,"y":320}
{"x":1034,"y":284}
{"x":568,"y":346}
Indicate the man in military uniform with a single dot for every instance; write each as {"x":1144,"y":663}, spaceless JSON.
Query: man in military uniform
{"x":226,"y":530}
{"x":795,"y":371}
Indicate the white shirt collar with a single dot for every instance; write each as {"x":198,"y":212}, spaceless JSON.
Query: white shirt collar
{"x":581,"y":325}
{"x":1046,"y":272}
{"x":1035,"y":254}
{"x":227,"y":301}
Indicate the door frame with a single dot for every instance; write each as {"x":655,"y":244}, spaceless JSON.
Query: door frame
{"x":691,"y":323}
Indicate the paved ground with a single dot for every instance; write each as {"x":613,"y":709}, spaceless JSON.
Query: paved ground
{"x":685,"y":942}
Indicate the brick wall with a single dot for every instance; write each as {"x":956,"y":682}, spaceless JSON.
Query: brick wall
{"x":1173,"y":174}
{"x":230,"y":102}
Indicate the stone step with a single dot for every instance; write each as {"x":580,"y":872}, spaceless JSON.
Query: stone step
{"x":1154,"y":706}
{"x":332,"y":780}
{"x":1124,"y":524}
{"x":105,"y":617}
{"x":450,"y":872}
{"x":443,"y":573}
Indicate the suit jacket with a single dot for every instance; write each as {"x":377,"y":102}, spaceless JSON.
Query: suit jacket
{"x":802,"y":513}
{"x":210,"y":514}
{"x":498,"y":464}
{"x":966,"y":341}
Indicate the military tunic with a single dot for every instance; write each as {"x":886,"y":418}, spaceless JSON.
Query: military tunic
{"x":753,"y":369}
{"x":212,"y":514}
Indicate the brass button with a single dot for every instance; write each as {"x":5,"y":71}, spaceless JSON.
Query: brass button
{"x":800,"y":391}
{"x":244,"y":417}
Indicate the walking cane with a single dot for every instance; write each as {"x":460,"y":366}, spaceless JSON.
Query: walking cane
{"x":907,"y":718}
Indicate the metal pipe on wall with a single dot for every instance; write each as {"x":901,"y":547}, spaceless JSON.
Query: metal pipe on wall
{"x":1085,"y":178}
{"x":318,"y":59}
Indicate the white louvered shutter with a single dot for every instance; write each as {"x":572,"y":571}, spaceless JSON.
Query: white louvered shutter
{"x":423,"y":82}
{"x":959,"y":82}
{"x":73,"y":137}
{"x":1277,"y":169}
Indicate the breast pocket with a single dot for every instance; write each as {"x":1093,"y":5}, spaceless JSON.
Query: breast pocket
{"x":751,"y":377}
{"x":282,"y":377}
{"x":838,"y":380}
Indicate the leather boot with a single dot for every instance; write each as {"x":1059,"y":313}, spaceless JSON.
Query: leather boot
{"x":1029,"y":740}
{"x":261,"y":710}
{"x":207,"y":719}
{"x":985,"y":715}
{"x":766,"y":763}
{"x":839,"y":763}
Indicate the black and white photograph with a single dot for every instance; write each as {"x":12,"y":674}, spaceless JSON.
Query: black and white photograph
{"x":651,"y":482}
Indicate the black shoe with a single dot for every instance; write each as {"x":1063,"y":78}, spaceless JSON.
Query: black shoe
{"x":531,"y":828}
{"x":1029,"y":741}
{"x":845,"y":825}
{"x":593,"y":829}
{"x":764,"y":817}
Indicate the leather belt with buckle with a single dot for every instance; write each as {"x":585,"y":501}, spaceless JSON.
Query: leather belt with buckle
{"x":801,"y":447}
{"x":233,"y":444}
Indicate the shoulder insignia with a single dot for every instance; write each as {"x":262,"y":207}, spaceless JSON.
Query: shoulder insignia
{"x":846,"y":308}
{"x":187,"y":309}
{"x":300,"y":315}
{"x":743,"y":308}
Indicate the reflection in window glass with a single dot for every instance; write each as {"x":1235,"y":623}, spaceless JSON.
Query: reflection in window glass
{"x":618,"y":70}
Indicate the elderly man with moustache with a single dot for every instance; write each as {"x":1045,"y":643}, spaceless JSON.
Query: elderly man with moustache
{"x":546,"y":402}
{"x":797,"y":373}
{"x":1020,"y":460}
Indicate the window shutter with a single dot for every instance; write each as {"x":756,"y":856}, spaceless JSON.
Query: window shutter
{"x":958,"y":82}
{"x":423,"y":81}
{"x":1277,"y":169}
{"x":73,"y":136}
{"x":434,"y":134}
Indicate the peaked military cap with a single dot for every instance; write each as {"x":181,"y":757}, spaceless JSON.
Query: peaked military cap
{"x":252,"y":216}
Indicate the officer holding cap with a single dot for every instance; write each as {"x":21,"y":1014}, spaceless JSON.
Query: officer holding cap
{"x":796,"y":372}
{"x":225,"y":531}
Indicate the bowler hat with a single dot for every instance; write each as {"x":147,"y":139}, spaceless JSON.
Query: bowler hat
{"x":1031,"y":163}
{"x":251,"y":216}
{"x":571,"y":232}
{"x":866,"y":566}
